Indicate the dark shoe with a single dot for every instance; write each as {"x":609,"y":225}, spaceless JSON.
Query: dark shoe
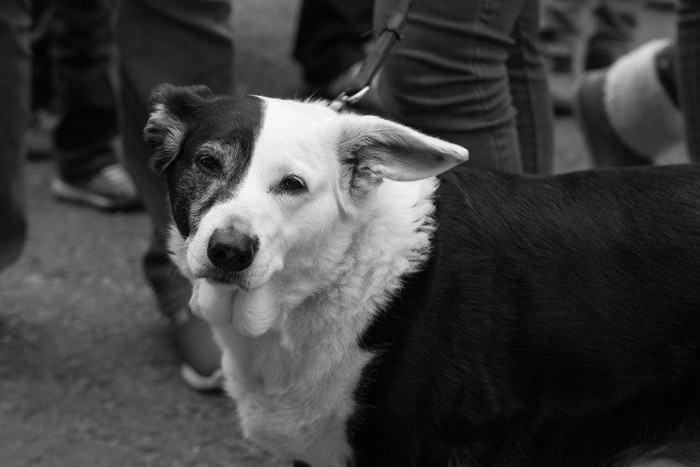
{"x":200,"y":356}
{"x":110,"y":189}
{"x":605,"y":147}
{"x":39,"y":135}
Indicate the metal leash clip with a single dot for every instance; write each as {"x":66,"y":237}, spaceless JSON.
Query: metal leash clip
{"x":343,"y":99}
{"x":360,"y":83}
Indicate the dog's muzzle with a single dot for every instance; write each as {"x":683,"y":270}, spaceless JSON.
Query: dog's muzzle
{"x":230,"y":250}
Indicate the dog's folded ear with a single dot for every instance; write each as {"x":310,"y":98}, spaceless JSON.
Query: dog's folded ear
{"x":170,"y":107}
{"x":377,"y":148}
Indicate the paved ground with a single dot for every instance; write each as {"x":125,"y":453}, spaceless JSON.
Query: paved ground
{"x":87,"y":375}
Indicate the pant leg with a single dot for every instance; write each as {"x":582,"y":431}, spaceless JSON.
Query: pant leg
{"x":83,"y":59}
{"x":181,"y":42}
{"x":614,"y":30}
{"x":331,"y":35}
{"x":689,"y":72}
{"x":448,"y":76}
{"x":611,"y":25}
{"x":528,"y":85}
{"x":15,"y":65}
{"x":564,"y":19}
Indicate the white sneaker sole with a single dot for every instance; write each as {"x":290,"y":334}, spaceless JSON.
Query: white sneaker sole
{"x":70,"y":193}
{"x":199,"y":382}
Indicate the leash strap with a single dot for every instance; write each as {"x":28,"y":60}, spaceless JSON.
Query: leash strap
{"x":360,"y":83}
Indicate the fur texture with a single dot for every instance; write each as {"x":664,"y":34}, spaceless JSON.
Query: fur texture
{"x":393,"y":318}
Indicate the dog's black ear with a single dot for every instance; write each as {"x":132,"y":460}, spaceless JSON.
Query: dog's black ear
{"x":376,"y":148}
{"x":169,"y":108}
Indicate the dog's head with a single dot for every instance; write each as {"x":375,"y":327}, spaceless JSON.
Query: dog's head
{"x":252,"y":180}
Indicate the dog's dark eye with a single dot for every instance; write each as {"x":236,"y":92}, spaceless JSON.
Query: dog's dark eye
{"x":209,"y":163}
{"x":292,"y":184}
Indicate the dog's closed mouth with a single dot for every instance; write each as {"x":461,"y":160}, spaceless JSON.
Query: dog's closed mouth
{"x":220,"y":278}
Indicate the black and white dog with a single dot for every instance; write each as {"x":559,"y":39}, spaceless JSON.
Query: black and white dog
{"x":376,"y":309}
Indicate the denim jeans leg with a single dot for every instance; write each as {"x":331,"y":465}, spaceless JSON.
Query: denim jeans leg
{"x":181,"y":42}
{"x":608,"y":26}
{"x":528,"y":85}
{"x":614,"y":29}
{"x":15,"y":66}
{"x":564,"y":19}
{"x":448,"y":76}
{"x":331,"y":36}
{"x":689,"y":72}
{"x":83,"y":57}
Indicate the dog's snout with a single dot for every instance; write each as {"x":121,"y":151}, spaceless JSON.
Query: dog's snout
{"x":231,"y":250}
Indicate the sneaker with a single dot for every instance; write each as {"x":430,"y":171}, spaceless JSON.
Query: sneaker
{"x":604,"y":145}
{"x":110,"y":189}
{"x":200,"y":366}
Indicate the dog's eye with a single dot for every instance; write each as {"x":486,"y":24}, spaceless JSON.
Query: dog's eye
{"x":209,"y":163}
{"x":292,"y":184}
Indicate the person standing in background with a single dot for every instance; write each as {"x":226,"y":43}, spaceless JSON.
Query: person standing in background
{"x":77,"y":78}
{"x":180,"y":42}
{"x":470,"y":72}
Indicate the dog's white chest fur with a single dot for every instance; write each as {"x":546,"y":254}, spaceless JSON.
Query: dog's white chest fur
{"x":294,"y":401}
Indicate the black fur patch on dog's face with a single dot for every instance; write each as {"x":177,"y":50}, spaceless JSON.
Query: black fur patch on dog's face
{"x":213,"y":155}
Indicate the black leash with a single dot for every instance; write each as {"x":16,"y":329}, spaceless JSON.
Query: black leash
{"x":360,"y":83}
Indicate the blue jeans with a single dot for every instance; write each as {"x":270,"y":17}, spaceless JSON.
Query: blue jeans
{"x":469,"y":71}
{"x":181,"y":42}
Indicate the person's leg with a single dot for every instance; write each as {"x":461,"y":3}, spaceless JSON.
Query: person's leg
{"x":448,"y":76}
{"x":611,"y":25}
{"x":83,"y":61}
{"x":331,"y":37}
{"x":580,"y":35}
{"x":615,"y":26}
{"x":688,"y":76}
{"x":529,"y":90}
{"x":181,"y":42}
{"x":15,"y":65}
{"x":563,"y":23}
{"x":82,"y":49}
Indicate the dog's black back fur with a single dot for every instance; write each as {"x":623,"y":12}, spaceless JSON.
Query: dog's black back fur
{"x":557,"y":323}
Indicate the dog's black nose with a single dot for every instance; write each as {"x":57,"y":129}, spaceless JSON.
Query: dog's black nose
{"x":231,"y":250}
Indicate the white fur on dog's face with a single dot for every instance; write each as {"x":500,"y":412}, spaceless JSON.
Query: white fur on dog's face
{"x":284,"y":220}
